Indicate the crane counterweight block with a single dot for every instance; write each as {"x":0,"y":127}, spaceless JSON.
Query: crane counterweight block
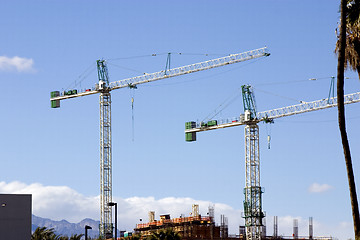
{"x":190,"y":136}
{"x":55,"y":103}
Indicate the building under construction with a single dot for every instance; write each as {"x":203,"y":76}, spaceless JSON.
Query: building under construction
{"x":193,"y":227}
{"x":198,"y":227}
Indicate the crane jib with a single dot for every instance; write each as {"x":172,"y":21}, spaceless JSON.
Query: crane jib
{"x":196,"y":67}
{"x":56,"y":96}
{"x":275,"y":113}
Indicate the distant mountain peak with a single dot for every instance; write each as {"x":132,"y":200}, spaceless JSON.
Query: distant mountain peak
{"x":66,"y":228}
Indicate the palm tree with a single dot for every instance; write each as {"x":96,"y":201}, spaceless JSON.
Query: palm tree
{"x":167,"y":234}
{"x":42,"y":233}
{"x":341,"y":111}
{"x":156,"y":236}
{"x":171,"y":234}
{"x":76,"y":237}
{"x":352,"y":49}
{"x":133,"y":237}
{"x":59,"y":237}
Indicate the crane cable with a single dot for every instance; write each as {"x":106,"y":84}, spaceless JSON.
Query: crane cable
{"x":223,"y":105}
{"x":132,"y":95}
{"x":277,"y":95}
{"x":81,"y":77}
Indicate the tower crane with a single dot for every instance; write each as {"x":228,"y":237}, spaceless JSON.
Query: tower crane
{"x":104,"y":87}
{"x":253,"y":213}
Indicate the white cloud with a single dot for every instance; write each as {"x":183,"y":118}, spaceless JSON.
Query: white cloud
{"x":55,"y":202}
{"x":62,"y":202}
{"x":17,"y":64}
{"x":319,"y":188}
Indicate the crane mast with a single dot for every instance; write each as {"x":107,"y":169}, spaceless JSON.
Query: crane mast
{"x":253,"y":213}
{"x":105,"y":162}
{"x":104,"y":87}
{"x":105,"y":151}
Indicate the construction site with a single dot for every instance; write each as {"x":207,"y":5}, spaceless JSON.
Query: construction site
{"x":192,"y":227}
{"x":197,"y":226}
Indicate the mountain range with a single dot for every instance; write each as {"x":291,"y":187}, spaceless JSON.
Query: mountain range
{"x":66,"y":228}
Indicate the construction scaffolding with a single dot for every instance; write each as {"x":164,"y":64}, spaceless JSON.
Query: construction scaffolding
{"x":187,"y":227}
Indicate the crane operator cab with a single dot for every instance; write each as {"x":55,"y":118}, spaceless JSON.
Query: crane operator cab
{"x":247,"y":116}
{"x":101,"y":85}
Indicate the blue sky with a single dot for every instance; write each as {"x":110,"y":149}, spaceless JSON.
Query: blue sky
{"x":58,"y":43}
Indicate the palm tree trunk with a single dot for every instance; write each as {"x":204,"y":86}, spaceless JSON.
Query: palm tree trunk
{"x":342,"y":125}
